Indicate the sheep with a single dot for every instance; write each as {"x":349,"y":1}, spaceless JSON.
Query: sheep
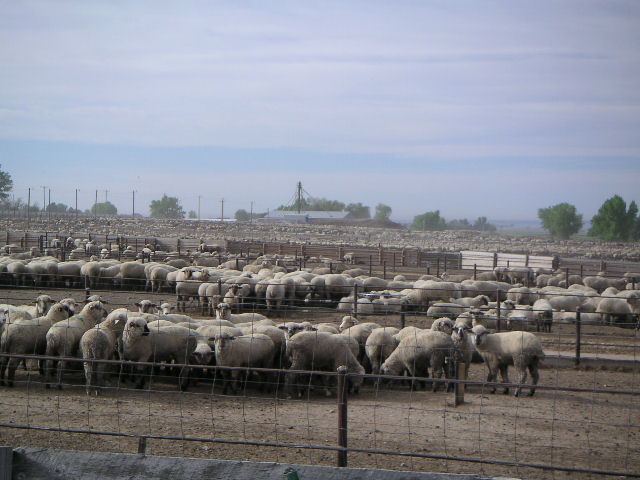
{"x":521,"y":317}
{"x":251,"y":351}
{"x":145,"y":306}
{"x":63,"y":338}
{"x":165,"y":308}
{"x":523,"y":350}
{"x":100,"y":343}
{"x":320,"y":351}
{"x":187,"y":286}
{"x":204,"y":354}
{"x":417,"y":353}
{"x":600,"y":283}
{"x":543,"y":314}
{"x":41,"y":307}
{"x":614,"y":310}
{"x":164,"y":344}
{"x":451,"y":310}
{"x":275,"y":294}
{"x":407,"y":331}
{"x":133,"y":274}
{"x":521,"y":295}
{"x":444,"y":325}
{"x":69,"y":274}
{"x":27,"y":337}
{"x":464,"y":346}
{"x":379,"y":345}
{"x":477,"y":301}
{"x":223,"y":312}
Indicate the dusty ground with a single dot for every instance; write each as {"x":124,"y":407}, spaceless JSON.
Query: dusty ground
{"x":570,"y":429}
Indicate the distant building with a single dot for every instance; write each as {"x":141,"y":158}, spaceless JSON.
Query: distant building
{"x":286,"y":216}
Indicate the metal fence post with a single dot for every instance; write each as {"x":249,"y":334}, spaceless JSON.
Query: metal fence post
{"x":578,"y":332}
{"x":498,"y":312}
{"x":355,"y":299}
{"x":384,"y":270}
{"x":142,"y":445}
{"x":475,"y":271}
{"x":6,"y":463}
{"x":370,"y":266}
{"x":402,"y":320}
{"x":342,"y":416}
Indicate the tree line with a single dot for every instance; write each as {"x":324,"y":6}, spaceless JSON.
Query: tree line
{"x":615,"y":221}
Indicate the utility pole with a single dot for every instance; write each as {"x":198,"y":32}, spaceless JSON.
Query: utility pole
{"x":222,"y":210}
{"x":251,"y":212}
{"x":76,"y":203}
{"x":133,"y":206}
{"x":44,"y":198}
{"x":199,"y":197}
{"x":299,"y":196}
{"x":95,"y":207}
{"x":106,"y":193}
{"x":28,"y":208}
{"x":49,"y":204}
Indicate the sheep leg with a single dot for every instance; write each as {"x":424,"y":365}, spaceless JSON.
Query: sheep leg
{"x":12,"y":365}
{"x":3,"y":365}
{"x":504,"y":374}
{"x":535,"y":376}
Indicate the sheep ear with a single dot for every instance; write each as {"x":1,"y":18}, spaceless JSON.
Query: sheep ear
{"x":283,"y":327}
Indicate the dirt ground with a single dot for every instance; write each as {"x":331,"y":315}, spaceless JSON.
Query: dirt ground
{"x":569,"y":429}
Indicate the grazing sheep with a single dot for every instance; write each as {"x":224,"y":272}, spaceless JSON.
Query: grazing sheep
{"x":319,"y":351}
{"x":417,"y":353}
{"x":251,"y":351}
{"x":27,"y":337}
{"x":523,"y":350}
{"x":379,"y":345}
{"x":100,"y":343}
{"x":63,"y":338}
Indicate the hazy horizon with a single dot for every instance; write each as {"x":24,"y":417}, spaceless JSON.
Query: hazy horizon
{"x":492,"y":110}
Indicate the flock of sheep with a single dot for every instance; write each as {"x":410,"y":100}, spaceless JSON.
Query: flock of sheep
{"x":463,"y":309}
{"x":245,"y":341}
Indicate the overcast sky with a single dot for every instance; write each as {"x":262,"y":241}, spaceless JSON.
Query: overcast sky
{"x":473,"y":108}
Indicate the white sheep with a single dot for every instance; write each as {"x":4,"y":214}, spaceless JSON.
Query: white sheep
{"x":417,"y":353}
{"x":444,"y":325}
{"x":523,"y":350}
{"x":543,"y":313}
{"x":464,"y":346}
{"x":250,"y":351}
{"x":100,"y":343}
{"x":379,"y":346}
{"x":320,"y":351}
{"x":63,"y":338}
{"x":27,"y":337}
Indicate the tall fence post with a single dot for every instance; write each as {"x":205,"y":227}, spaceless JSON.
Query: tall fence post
{"x":370,"y":264}
{"x":384,"y":270}
{"x":475,"y":271}
{"x":498,"y":311}
{"x":578,"y":333}
{"x":355,"y":300}
{"x":142,"y":445}
{"x":403,"y":320}
{"x":342,"y":416}
{"x":6,"y":463}
{"x":460,"y":369}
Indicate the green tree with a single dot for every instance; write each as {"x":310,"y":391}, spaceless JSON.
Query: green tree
{"x":429,"y":221}
{"x":383,"y":212}
{"x":54,"y":207}
{"x":358,"y":210}
{"x":483,"y":225}
{"x":460,"y":224}
{"x":192,"y":214}
{"x":166,"y":207}
{"x":242,"y":215}
{"x":614,"y":221}
{"x":104,"y":208}
{"x":561,"y":220}
{"x":6,"y":184}
{"x":315,"y":205}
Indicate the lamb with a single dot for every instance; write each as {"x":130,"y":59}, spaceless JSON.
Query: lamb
{"x":100,"y":343}
{"x":251,"y":351}
{"x":418,"y":353}
{"x":204,"y":353}
{"x":63,"y":338}
{"x":319,"y":351}
{"x":523,"y":350}
{"x":27,"y":337}
{"x":379,"y":345}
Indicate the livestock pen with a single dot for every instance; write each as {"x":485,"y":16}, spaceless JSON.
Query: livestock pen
{"x":583,"y":422}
